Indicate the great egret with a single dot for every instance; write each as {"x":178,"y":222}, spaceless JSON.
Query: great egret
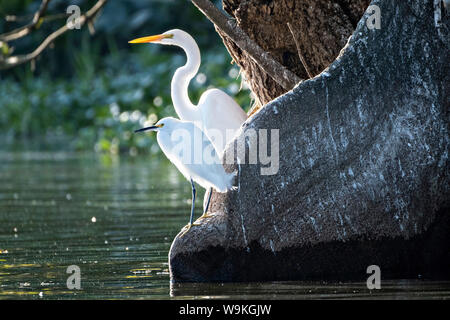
{"x":195,"y":157}
{"x":217,"y":114}
{"x":216,"y":111}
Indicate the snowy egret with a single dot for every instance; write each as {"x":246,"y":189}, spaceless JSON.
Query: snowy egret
{"x":217,"y":113}
{"x":194,"y":156}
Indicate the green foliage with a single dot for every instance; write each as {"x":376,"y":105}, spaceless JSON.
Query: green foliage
{"x":97,"y":90}
{"x":101,"y":109}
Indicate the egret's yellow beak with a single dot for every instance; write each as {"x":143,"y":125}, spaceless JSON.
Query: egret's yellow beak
{"x":148,"y":39}
{"x":153,"y":128}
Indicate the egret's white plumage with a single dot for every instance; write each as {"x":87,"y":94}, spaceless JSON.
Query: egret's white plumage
{"x":217,"y":115}
{"x":194,"y":155}
{"x":216,"y":112}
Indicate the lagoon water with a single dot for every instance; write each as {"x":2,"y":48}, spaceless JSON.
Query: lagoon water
{"x":115,"y":218}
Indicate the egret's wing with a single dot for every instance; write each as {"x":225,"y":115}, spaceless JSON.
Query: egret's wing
{"x":193,"y":155}
{"x":221,"y":117}
{"x":209,"y":170}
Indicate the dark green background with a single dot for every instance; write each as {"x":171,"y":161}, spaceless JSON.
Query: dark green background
{"x":89,"y":92}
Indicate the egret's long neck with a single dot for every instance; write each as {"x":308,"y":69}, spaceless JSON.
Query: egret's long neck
{"x":185,"y":109}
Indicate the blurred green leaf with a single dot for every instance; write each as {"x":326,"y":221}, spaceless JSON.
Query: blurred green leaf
{"x":90,"y":93}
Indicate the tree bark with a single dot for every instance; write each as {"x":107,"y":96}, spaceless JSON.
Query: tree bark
{"x":228,"y":26}
{"x":364,"y":168}
{"x":321,"y":28}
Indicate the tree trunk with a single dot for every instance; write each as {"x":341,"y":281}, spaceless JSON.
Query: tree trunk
{"x":321,"y":29}
{"x":363,"y":173}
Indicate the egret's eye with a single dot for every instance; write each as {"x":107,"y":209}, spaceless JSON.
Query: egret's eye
{"x":161,"y":125}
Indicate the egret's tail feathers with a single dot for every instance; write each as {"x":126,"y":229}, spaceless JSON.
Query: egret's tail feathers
{"x":227,"y":183}
{"x":231,"y":179}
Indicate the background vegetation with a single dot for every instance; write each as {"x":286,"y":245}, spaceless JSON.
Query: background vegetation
{"x":89,"y":92}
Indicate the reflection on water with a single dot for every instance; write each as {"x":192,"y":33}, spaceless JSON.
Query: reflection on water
{"x":401,"y":289}
{"x":115,"y":218}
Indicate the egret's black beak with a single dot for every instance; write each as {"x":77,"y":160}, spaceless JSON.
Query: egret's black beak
{"x":152,"y":128}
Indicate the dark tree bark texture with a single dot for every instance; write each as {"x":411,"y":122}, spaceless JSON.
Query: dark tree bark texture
{"x":322,"y":29}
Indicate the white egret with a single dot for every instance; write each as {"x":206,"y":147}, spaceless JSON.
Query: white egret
{"x":217,"y":114}
{"x":195,"y":157}
{"x":216,"y":111}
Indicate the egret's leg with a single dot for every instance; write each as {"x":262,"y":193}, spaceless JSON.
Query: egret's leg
{"x":191,"y":220}
{"x":205,"y":212}
{"x":193,"y":202}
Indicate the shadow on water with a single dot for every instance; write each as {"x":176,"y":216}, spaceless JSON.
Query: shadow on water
{"x":115,"y":219}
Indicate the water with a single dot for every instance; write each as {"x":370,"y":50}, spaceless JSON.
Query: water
{"x":115,"y":218}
